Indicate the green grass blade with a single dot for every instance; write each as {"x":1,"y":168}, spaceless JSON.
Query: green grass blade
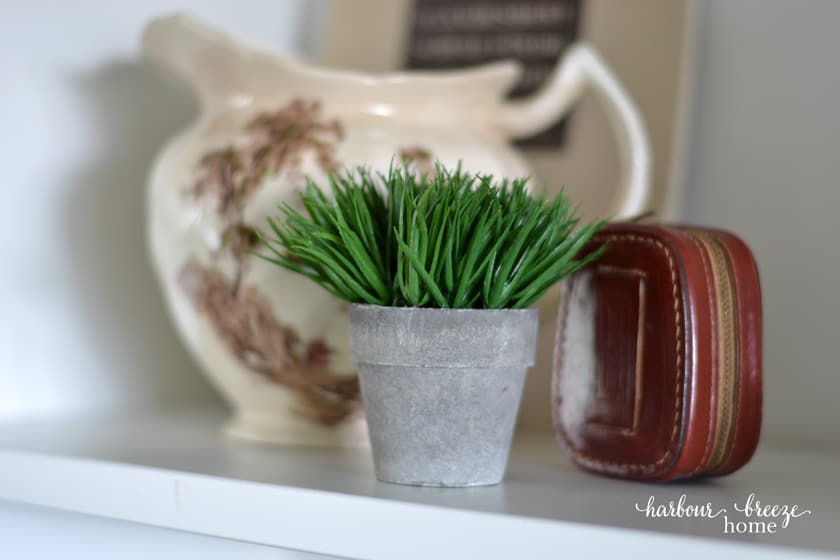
{"x":459,"y":239}
{"x":433,"y":288}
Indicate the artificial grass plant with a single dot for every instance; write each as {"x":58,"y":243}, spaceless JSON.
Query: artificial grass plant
{"x":454,"y":240}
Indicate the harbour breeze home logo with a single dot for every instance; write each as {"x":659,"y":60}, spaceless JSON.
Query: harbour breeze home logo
{"x":748,"y":517}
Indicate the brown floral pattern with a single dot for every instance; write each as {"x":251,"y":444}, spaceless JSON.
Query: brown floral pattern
{"x":244,"y":321}
{"x":420,"y":157}
{"x":276,"y":141}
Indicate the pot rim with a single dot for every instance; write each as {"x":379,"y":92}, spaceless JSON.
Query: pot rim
{"x":452,"y":310}
{"x":444,"y":338}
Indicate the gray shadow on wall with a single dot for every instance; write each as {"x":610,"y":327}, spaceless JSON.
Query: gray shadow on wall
{"x":134,"y":109}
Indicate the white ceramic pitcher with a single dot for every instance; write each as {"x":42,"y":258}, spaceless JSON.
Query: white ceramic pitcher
{"x":273,"y":342}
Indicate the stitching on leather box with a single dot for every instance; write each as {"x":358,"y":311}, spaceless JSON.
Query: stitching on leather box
{"x":709,"y":280}
{"x":728,"y":392}
{"x":589,"y":460}
{"x":739,"y":364}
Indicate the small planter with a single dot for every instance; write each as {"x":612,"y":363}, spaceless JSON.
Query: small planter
{"x":440,"y":273}
{"x":441,"y":389}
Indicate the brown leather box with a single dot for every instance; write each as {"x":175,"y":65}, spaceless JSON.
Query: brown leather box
{"x":657,"y":366}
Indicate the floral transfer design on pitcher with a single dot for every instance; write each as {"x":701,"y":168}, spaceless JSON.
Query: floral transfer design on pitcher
{"x":250,"y":331}
{"x":275,"y":142}
{"x":420,"y":158}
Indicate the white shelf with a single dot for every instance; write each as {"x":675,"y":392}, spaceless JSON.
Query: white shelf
{"x":175,"y":470}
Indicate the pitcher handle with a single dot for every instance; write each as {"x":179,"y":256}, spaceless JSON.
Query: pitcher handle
{"x":580,"y":67}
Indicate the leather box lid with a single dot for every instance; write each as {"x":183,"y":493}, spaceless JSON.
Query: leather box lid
{"x":621,"y":365}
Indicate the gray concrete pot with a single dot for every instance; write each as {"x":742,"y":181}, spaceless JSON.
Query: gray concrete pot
{"x":441,"y":389}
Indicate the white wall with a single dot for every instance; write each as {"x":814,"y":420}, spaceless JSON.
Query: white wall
{"x":763,"y":159}
{"x":81,"y":318}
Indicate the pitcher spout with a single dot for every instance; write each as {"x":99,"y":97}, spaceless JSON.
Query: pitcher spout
{"x":214,"y":64}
